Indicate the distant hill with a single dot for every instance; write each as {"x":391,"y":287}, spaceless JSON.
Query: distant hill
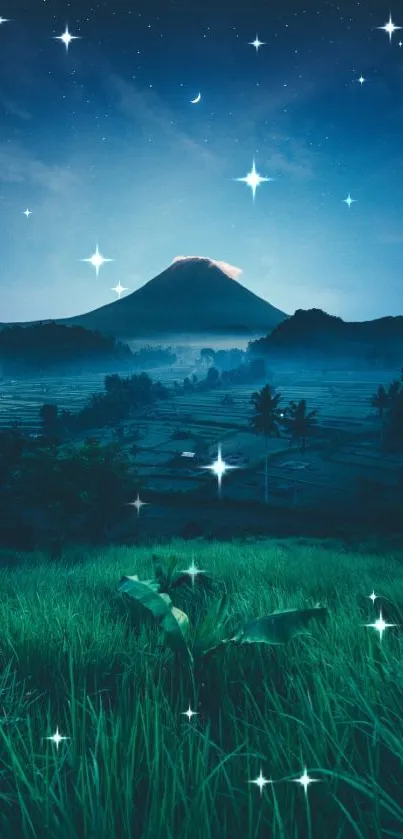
{"x":193,"y":296}
{"x":43,"y":347}
{"x":313,"y":334}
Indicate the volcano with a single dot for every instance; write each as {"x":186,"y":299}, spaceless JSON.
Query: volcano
{"x":194,"y":296}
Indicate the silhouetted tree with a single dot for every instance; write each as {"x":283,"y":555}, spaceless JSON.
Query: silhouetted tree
{"x":394,"y":389}
{"x":207,"y":355}
{"x":84,"y":490}
{"x":122,"y":396}
{"x":393,"y":434}
{"x":151,"y":356}
{"x":49,"y":417}
{"x":299,"y":421}
{"x":45,"y":346}
{"x":383,"y":400}
{"x":380,"y":400}
{"x":212,"y":377}
{"x":253,"y":371}
{"x":266,"y":420}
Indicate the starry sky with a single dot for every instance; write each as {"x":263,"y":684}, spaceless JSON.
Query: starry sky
{"x":101,"y":143}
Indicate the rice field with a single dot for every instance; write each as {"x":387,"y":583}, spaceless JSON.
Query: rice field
{"x":341,"y":401}
{"x":79,"y":659}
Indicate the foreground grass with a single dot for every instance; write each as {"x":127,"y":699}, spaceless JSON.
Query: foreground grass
{"x":74,"y":655}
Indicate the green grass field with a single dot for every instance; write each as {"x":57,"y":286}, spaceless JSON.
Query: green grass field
{"x":75,"y":654}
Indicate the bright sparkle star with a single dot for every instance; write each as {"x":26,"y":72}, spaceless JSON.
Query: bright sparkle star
{"x":253,"y":179}
{"x":189,"y":713}
{"x":260,"y":782}
{"x":256,"y":43}
{"x":361,"y":80}
{"x":119,"y":289}
{"x":27,"y":213}
{"x":57,"y":738}
{"x":193,"y":571}
{"x":349,"y":200}
{"x":372,"y":596}
{"x":138,"y":504}
{"x":219,"y":467}
{"x":380,"y":625}
{"x":97,"y":260}
{"x":305,"y":780}
{"x":67,"y":38}
{"x":4,"y":20}
{"x":389,"y":27}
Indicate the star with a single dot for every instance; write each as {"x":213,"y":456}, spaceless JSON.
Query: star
{"x":66,"y":38}
{"x":193,"y":571}
{"x":372,"y":596}
{"x":389,"y":27}
{"x":97,"y":260}
{"x":349,"y":200}
{"x":260,"y":781}
{"x":57,"y":738}
{"x":305,"y":780}
{"x":189,"y":713}
{"x":400,"y":44}
{"x":380,"y":625}
{"x":138,"y":504}
{"x":27,"y":213}
{"x":119,"y":289}
{"x":219,"y":467}
{"x":361,"y":80}
{"x":4,"y":20}
{"x":253,"y":180}
{"x":256,"y":43}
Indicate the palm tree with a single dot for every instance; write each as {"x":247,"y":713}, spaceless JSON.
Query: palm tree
{"x":394,"y":390}
{"x":266,"y":420}
{"x":385,"y":399}
{"x":394,"y":425}
{"x":380,"y":400}
{"x":299,"y":422}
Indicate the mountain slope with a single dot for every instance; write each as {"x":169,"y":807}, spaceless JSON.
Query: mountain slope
{"x":313,"y":333}
{"x":193,"y":296}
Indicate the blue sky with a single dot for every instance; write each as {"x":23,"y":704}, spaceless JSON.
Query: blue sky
{"x":102,"y":144}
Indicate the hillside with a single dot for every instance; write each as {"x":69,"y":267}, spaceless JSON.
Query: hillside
{"x":193,"y":296}
{"x":40,"y":347}
{"x":314,"y":334}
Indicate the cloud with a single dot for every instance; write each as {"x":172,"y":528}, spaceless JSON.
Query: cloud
{"x":15,"y":109}
{"x":19,"y":166}
{"x":153,"y":117}
{"x":296,"y":160}
{"x":230,"y":270}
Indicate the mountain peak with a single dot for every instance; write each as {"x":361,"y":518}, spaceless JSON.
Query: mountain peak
{"x":194,"y":295}
{"x":230,"y":270}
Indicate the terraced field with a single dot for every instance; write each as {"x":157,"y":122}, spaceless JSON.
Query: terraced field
{"x":341,"y":400}
{"x":21,"y":399}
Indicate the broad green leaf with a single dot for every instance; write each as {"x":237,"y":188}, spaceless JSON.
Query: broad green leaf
{"x":279,"y":627}
{"x":183,"y":621}
{"x":174,"y":622}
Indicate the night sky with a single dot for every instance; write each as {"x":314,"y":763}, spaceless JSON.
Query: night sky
{"x":101,"y":143}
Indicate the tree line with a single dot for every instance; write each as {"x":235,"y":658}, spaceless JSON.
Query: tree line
{"x":43,"y":347}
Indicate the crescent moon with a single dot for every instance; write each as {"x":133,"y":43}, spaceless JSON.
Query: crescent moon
{"x":196,"y":100}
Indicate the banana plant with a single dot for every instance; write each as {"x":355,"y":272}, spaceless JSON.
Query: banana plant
{"x":276,"y":628}
{"x":169,"y":577}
